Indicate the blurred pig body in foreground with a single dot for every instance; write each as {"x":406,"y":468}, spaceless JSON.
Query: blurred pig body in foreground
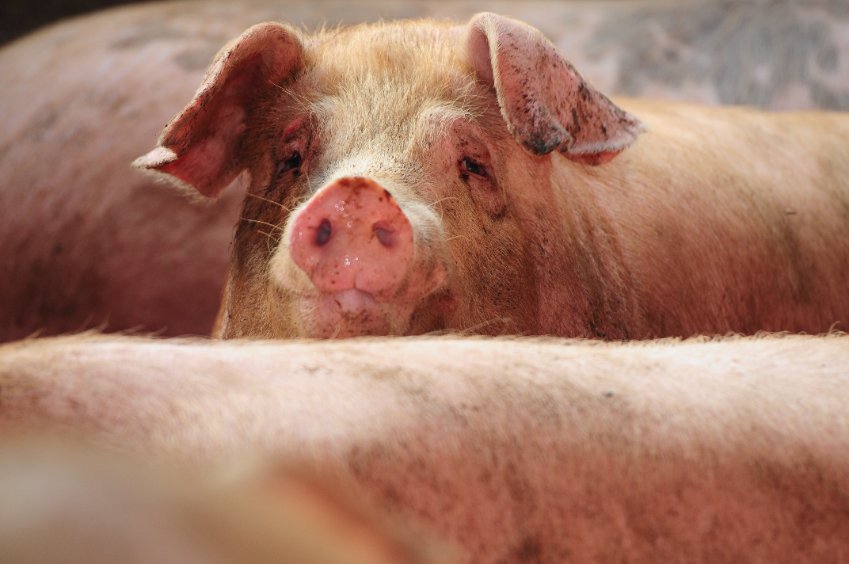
{"x":84,"y":242}
{"x":420,"y":176}
{"x":515,"y":450}
{"x":71,"y":504}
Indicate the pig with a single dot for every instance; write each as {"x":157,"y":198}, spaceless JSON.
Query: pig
{"x":86,"y":243}
{"x":422,"y":176}
{"x":68,"y":502}
{"x":513,"y":450}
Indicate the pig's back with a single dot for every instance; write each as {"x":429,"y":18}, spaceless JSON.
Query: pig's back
{"x":748,"y":210}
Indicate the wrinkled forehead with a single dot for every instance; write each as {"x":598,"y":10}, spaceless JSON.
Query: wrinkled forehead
{"x":389,"y":80}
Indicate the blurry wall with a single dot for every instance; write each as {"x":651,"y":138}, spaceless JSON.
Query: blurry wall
{"x":778,"y":54}
{"x":18,"y":17}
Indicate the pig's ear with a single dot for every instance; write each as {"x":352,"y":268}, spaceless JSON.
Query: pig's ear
{"x":201,"y":146}
{"x":547,"y":105}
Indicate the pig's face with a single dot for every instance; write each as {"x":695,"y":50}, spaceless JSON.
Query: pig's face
{"x":379,"y":166}
{"x":389,"y":186}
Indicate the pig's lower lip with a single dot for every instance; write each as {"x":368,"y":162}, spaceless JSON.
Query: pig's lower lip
{"x":350,"y":301}
{"x":349,"y":313}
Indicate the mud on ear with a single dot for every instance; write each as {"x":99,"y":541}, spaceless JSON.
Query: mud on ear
{"x":201,"y":146}
{"x":547,"y":105}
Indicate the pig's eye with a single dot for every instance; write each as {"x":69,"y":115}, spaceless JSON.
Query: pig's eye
{"x":293,"y":162}
{"x":471,"y":166}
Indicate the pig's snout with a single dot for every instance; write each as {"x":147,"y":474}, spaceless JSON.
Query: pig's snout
{"x":352,"y":234}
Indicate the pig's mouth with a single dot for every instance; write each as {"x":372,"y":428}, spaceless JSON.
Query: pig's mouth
{"x":352,"y":301}
{"x":352,"y":313}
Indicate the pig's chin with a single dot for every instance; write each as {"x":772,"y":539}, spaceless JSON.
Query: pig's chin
{"x":351,"y":313}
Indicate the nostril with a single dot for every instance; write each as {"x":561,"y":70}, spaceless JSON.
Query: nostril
{"x":323,"y":232}
{"x":384,"y":234}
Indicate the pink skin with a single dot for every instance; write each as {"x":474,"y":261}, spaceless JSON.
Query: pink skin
{"x":353,"y":236}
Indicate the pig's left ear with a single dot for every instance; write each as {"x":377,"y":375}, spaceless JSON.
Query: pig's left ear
{"x":201,"y":146}
{"x":547,"y":105}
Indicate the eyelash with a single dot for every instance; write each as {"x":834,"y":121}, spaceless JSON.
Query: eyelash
{"x":293,"y":162}
{"x":471,"y":166}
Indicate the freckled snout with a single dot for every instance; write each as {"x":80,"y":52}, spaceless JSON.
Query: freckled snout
{"x":352,"y":235}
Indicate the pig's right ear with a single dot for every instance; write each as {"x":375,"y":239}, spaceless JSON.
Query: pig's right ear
{"x":201,"y":146}
{"x":547,"y":105}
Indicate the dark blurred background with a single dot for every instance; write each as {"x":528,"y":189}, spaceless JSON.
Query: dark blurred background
{"x":18,"y":17}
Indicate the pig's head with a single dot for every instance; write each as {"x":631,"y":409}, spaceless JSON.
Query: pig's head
{"x":391,"y":166}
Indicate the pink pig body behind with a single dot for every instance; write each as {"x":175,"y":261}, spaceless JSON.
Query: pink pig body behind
{"x":66,"y":502}
{"x":515,"y":450}
{"x":518,"y":198}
